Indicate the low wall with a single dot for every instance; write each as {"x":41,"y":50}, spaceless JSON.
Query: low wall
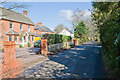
{"x":58,"y":46}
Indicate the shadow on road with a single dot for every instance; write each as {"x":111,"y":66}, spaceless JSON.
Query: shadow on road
{"x":33,"y":50}
{"x":82,"y":61}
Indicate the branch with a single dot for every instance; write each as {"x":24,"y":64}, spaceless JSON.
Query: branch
{"x":16,"y":6}
{"x":2,"y":2}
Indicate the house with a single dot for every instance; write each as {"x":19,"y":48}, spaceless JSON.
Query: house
{"x":40,"y":30}
{"x":66,"y":32}
{"x":16,"y":27}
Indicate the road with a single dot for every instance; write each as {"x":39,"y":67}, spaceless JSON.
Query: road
{"x":79,"y":62}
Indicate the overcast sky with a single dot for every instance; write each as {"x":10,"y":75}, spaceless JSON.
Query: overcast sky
{"x":53,"y":13}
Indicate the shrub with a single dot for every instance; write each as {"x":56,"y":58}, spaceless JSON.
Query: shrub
{"x":56,"y":38}
{"x":20,"y":46}
{"x":84,"y":40}
{"x":108,"y":23}
{"x":29,"y":45}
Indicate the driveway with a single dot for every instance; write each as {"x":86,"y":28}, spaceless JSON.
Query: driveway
{"x":29,"y":55}
{"x":79,"y":62}
{"x":26,"y":51}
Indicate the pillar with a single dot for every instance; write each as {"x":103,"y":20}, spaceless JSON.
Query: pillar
{"x":44,"y":47}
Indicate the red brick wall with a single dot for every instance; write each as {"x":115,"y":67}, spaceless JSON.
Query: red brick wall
{"x":16,"y":26}
{"x":44,"y":47}
{"x":38,"y":32}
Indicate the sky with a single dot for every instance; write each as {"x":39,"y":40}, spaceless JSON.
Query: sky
{"x":52,"y":14}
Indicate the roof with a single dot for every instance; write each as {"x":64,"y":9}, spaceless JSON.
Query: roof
{"x":42,"y":28}
{"x":11,"y":31}
{"x":67,"y":30}
{"x":14,"y":16}
{"x":47,"y":29}
{"x":30,"y":33}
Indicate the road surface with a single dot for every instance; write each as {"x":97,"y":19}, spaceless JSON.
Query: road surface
{"x":79,"y":62}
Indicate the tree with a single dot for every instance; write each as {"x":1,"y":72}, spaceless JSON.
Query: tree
{"x":85,"y":16}
{"x":59,"y":28}
{"x":12,"y":5}
{"x":106,"y":17}
{"x":80,"y":31}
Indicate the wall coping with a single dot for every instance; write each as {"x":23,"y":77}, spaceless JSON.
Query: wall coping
{"x":9,"y":43}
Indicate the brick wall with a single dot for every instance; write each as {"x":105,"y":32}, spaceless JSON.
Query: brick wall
{"x":16,"y":26}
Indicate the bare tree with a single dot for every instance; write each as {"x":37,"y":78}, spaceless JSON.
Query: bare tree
{"x":12,"y":5}
{"x":59,"y":28}
{"x":85,"y":16}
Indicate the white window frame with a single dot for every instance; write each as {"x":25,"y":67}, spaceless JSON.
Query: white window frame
{"x":9,"y":37}
{"x":11,"y":23}
{"x":28,"y":28}
{"x":17,"y":39}
{"x":32,"y":38}
{"x":21,"y":27}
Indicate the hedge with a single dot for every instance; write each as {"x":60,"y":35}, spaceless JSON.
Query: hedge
{"x":56,"y":38}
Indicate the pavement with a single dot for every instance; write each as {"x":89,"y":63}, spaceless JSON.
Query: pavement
{"x":83,"y":61}
{"x":28,"y":55}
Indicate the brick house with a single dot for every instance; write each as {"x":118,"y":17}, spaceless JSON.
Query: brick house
{"x":40,"y":30}
{"x":16,"y":27}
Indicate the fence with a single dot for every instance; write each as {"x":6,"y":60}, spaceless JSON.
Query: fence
{"x":54,"y":47}
{"x":10,"y":66}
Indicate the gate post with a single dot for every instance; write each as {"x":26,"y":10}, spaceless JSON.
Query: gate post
{"x":9,"y":61}
{"x":76,"y":43}
{"x":44,"y":47}
{"x":9,"y":52}
{"x":0,"y":65}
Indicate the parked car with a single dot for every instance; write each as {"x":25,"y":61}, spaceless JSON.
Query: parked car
{"x":37,"y":43}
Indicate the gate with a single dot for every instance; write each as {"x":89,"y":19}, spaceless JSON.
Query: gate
{"x":10,"y":66}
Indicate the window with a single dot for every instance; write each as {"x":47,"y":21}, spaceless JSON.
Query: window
{"x":20,"y":26}
{"x":35,"y":31}
{"x":16,"y":39}
{"x":24,"y":39}
{"x":11,"y":26}
{"x":32,"y":38}
{"x":29,"y":28}
{"x":28,"y":37}
{"x":9,"y":38}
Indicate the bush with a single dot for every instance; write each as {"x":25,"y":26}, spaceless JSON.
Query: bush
{"x":29,"y":45}
{"x":56,"y":38}
{"x":84,"y":40}
{"x":20,"y":46}
{"x":109,"y":29}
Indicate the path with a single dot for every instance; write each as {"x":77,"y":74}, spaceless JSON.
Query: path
{"x":81,"y":62}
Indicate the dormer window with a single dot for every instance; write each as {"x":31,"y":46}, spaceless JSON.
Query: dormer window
{"x":11,"y":26}
{"x":21,"y":27}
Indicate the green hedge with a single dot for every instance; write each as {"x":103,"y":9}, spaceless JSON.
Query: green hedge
{"x":108,"y":23}
{"x":56,"y":38}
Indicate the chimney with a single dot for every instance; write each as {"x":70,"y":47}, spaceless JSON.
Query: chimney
{"x":40,"y":24}
{"x":25,"y":12}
